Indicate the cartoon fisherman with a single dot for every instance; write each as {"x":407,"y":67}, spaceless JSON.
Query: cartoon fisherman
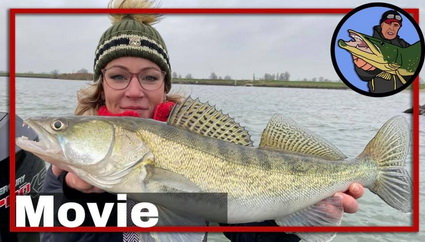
{"x":385,"y":60}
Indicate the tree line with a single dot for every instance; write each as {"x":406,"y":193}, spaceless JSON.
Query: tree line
{"x":84,"y":74}
{"x":284,"y":76}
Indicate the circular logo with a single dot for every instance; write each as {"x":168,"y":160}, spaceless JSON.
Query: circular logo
{"x":377,"y":49}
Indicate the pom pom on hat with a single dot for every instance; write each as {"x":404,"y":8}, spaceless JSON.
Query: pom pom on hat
{"x":132,"y":35}
{"x":149,"y":19}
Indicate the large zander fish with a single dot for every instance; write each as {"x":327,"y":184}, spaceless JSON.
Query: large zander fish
{"x":290,"y":178}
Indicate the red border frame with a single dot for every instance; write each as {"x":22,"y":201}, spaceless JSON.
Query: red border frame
{"x":12,"y":59}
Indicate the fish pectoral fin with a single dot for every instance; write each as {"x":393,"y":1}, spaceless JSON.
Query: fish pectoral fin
{"x":169,"y":179}
{"x":284,"y":134}
{"x":384,"y":75}
{"x":170,"y":218}
{"x":327,"y":212}
{"x":175,"y":237}
{"x":171,"y":236}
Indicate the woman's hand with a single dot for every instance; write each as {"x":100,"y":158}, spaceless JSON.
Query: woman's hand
{"x":348,"y":198}
{"x":75,"y":182}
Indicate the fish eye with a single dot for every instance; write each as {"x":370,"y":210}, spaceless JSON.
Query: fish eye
{"x":58,"y":125}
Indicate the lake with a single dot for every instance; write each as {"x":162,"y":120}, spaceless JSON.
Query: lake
{"x":345,"y":118}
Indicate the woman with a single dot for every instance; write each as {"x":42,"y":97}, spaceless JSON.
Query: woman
{"x":132,"y":78}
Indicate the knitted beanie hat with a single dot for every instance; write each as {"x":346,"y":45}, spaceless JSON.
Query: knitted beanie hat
{"x":132,"y":35}
{"x":391,"y":16}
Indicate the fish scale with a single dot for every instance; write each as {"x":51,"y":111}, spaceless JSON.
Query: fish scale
{"x":275,"y":166}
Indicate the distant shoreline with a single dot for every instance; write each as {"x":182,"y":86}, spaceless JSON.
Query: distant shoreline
{"x":67,"y":76}
{"x":248,"y":83}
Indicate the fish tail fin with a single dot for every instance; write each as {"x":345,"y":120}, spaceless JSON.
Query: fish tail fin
{"x":388,"y":149}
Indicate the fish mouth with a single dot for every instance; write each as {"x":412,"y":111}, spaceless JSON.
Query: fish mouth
{"x":363,"y":46}
{"x":358,"y":42}
{"x":44,"y":144}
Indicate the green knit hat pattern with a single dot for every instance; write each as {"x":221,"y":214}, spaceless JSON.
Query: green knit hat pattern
{"x":132,"y":35}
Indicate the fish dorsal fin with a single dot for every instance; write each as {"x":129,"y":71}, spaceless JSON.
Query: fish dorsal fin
{"x":204,"y":119}
{"x":285,"y":134}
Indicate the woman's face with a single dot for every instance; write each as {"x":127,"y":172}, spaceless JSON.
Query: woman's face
{"x":133,"y":97}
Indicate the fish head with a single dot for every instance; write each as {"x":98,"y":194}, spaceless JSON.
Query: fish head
{"x":100,"y":150}
{"x":373,"y":50}
{"x":69,"y":141}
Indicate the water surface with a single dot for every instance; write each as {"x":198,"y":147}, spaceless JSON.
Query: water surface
{"x":343,"y":117}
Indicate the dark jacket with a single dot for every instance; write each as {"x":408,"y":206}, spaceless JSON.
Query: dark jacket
{"x":56,"y":186}
{"x":260,"y":237}
{"x":377,"y":84}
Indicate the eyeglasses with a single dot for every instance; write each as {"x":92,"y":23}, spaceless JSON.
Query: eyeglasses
{"x":394,"y":16}
{"x":119,"y":78}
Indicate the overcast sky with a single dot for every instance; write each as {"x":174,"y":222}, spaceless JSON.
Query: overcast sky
{"x":238,"y":46}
